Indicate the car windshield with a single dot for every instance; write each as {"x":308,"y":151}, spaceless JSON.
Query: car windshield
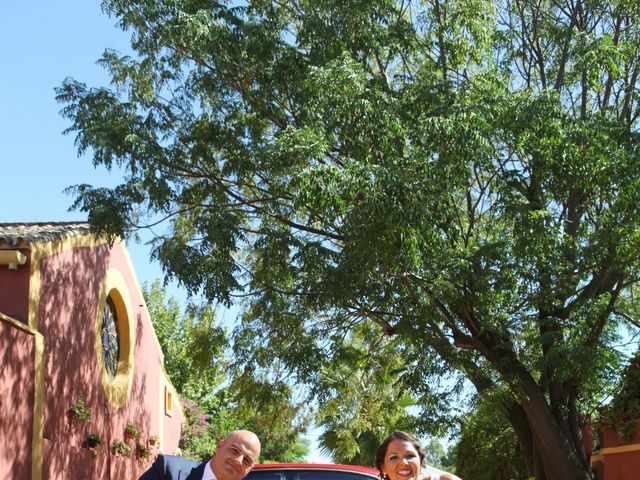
{"x":306,"y":475}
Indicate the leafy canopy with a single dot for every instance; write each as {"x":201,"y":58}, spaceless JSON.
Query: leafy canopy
{"x":463,"y":174}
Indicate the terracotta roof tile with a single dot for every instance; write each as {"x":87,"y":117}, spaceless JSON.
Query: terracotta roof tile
{"x":14,"y":233}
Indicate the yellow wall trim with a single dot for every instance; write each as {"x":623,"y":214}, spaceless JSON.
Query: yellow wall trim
{"x":38,"y":410}
{"x":167,"y":381}
{"x":18,"y":324}
{"x":12,"y":258}
{"x":600,"y":456}
{"x":632,"y":447}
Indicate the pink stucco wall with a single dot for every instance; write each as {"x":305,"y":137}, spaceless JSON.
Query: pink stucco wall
{"x":14,"y":290}
{"x":620,"y":465}
{"x":617,"y":464}
{"x":64,"y":461}
{"x":17,"y":354}
{"x":70,"y":288}
{"x":609,"y":437}
{"x":172,"y":431}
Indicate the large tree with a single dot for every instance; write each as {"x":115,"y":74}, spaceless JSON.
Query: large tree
{"x":463,"y":174}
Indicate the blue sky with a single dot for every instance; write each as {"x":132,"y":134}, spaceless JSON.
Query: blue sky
{"x":41,"y":43}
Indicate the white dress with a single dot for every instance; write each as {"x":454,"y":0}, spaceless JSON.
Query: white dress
{"x":435,"y":473}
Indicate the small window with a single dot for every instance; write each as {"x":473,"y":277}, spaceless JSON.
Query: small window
{"x":168,"y":401}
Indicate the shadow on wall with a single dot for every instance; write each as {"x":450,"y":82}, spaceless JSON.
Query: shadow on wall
{"x":70,"y":289}
{"x":17,"y":353}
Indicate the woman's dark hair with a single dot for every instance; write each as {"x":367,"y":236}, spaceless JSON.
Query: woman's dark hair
{"x":402,"y":436}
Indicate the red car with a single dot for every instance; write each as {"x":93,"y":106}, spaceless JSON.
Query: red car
{"x":326,"y":471}
{"x":311,"y":471}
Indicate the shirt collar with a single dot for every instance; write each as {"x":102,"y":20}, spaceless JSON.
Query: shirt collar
{"x":208,"y":473}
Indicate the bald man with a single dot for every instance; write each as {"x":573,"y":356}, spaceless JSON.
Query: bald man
{"x":233,"y":460}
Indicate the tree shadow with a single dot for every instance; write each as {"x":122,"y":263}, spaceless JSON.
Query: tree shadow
{"x":68,"y":307}
{"x":17,"y":352}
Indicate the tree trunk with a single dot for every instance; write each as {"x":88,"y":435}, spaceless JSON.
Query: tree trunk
{"x":519,"y":422}
{"x":557,"y":455}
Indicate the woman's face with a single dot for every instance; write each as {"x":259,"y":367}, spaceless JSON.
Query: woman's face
{"x":401,"y":462}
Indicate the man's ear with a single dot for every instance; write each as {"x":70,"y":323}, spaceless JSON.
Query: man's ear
{"x":219,"y":444}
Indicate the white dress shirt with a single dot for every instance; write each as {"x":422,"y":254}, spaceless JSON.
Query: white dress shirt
{"x":208,"y":473}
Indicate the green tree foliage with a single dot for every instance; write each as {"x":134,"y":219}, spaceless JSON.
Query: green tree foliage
{"x":487,"y":447}
{"x":624,"y":410}
{"x":438,"y":456}
{"x":215,"y":399}
{"x":268,"y":406}
{"x":361,"y":398}
{"x":201,"y":431}
{"x":463,"y":174}
{"x":193,"y":344}
{"x":195,"y":359}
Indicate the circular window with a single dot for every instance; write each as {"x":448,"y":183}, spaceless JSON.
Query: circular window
{"x":115,"y":338}
{"x":110,"y":338}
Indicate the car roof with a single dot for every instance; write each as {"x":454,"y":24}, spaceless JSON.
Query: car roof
{"x":317,"y":466}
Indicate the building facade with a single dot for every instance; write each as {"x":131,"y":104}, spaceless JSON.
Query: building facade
{"x":617,"y":458}
{"x":80,"y":359}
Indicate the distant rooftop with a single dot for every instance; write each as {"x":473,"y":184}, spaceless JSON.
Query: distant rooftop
{"x":15,"y":233}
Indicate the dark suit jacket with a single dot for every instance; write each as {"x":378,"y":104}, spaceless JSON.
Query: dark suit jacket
{"x":170,"y":467}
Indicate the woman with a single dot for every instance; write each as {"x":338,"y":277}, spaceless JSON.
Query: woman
{"x":401,"y":457}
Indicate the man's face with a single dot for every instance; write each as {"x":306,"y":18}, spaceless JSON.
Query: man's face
{"x":235,"y":456}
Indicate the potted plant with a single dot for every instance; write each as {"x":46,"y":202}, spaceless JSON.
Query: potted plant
{"x":132,"y":430}
{"x":94,"y":440}
{"x":80,"y":410}
{"x":120,"y":448}
{"x":142,"y":452}
{"x":153,"y":441}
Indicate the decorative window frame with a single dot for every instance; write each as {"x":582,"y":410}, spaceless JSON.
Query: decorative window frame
{"x":118,"y":389}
